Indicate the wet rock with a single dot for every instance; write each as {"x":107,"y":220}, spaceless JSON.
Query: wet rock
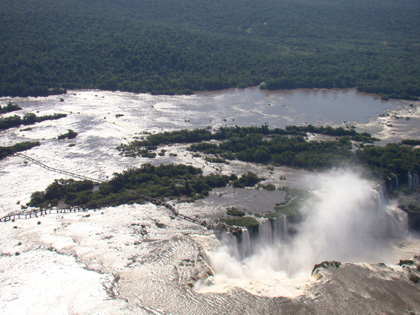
{"x":325,"y":265}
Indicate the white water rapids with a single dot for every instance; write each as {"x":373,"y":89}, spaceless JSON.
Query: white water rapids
{"x":346,"y":220}
{"x":68,"y":264}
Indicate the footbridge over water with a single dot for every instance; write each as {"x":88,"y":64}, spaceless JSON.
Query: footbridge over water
{"x":56,"y":170}
{"x":25,"y":213}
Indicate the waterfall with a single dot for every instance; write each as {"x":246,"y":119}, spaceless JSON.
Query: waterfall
{"x":393,"y":220}
{"x":242,"y":244}
{"x":346,"y":219}
{"x":393,"y":184}
{"x":245,"y":248}
{"x":410,"y":181}
{"x":231,"y":241}
{"x":265,"y":232}
{"x":279,"y":228}
{"x":415,"y":181}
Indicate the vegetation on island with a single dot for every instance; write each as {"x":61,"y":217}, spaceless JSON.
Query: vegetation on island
{"x":245,"y":221}
{"x":180,"y":46}
{"x":18,"y":147}
{"x":28,"y":119}
{"x":236,"y":217}
{"x":10,"y":107}
{"x":260,"y":144}
{"x":70,"y":134}
{"x":160,"y":182}
{"x":232,"y":211}
{"x":290,"y":147}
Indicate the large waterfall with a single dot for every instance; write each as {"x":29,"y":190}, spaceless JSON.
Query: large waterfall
{"x":269,"y":232}
{"x":347,"y":220}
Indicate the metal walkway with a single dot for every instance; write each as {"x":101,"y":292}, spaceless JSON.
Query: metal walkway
{"x":56,"y":170}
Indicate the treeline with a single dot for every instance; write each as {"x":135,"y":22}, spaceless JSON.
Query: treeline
{"x":180,"y":46}
{"x":28,"y":119}
{"x":394,"y":159}
{"x":10,"y":107}
{"x":164,"y":181}
{"x":293,"y":151}
{"x":153,"y":140}
{"x":411,"y":142}
{"x":21,"y":146}
{"x":290,"y":147}
{"x":139,"y":147}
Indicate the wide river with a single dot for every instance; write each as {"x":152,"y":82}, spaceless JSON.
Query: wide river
{"x":137,"y":259}
{"x":242,"y":107}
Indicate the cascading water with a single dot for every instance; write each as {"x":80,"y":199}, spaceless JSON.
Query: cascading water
{"x":415,"y":181}
{"x":394,"y":184}
{"x":410,"y":180}
{"x":279,"y":228}
{"x":268,"y":232}
{"x":347,"y":220}
{"x":245,"y":243}
{"x":265,"y":232}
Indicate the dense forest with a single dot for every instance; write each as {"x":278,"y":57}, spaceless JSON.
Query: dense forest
{"x":290,"y":147}
{"x":180,"y":46}
{"x":131,"y":186}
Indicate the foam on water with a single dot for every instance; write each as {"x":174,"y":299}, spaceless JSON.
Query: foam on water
{"x":346,"y":220}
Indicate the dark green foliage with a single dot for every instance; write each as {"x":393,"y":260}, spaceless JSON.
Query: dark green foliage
{"x":130,"y":187}
{"x":262,"y":145}
{"x":21,"y":146}
{"x":289,"y":147}
{"x":178,"y":46}
{"x":392,"y":160}
{"x":28,"y":119}
{"x":411,"y":142}
{"x":247,"y":180}
{"x":10,"y":107}
{"x":414,"y":278}
{"x":234,"y":212}
{"x":241,"y":221}
{"x":406,"y":262}
{"x":182,"y":136}
{"x":71,"y":134}
{"x":350,"y":133}
{"x":269,"y":187}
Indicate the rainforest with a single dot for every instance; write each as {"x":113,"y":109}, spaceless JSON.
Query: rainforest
{"x":183,"y":46}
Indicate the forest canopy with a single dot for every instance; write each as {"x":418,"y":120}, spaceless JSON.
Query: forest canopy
{"x":180,"y":46}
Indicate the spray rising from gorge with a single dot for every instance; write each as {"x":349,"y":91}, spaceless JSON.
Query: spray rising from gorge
{"x":347,"y":219}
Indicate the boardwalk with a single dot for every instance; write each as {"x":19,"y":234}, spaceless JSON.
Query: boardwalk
{"x":35,"y":213}
{"x":56,"y":170}
{"x":175,"y":212}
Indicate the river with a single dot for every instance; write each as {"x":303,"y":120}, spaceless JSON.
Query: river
{"x":122,"y":260}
